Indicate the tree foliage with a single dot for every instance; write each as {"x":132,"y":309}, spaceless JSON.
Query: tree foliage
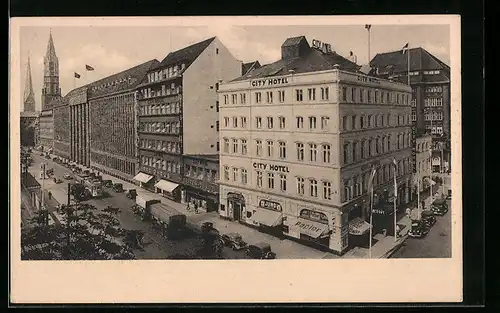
{"x":84,"y":233}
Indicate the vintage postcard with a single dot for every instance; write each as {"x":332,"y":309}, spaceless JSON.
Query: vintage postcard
{"x":236,"y":159}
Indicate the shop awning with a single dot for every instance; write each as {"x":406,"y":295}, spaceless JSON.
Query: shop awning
{"x":143,"y":178}
{"x":310,"y":228}
{"x":358,"y":226}
{"x":166,"y":185}
{"x":268,"y":217}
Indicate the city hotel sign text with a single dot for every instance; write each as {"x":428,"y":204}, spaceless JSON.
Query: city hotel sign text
{"x":271,"y":167}
{"x":269,"y":82}
{"x":366,"y":79}
{"x":323,"y":47}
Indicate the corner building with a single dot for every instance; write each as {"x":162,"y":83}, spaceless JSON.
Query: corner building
{"x":299,"y":138}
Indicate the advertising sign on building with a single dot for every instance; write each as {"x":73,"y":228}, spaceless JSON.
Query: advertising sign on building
{"x":414,"y":147}
{"x":271,"y":205}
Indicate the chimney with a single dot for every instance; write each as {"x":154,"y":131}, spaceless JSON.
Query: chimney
{"x":295,"y":47}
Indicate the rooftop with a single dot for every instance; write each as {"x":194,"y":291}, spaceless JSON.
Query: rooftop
{"x":247,"y":67}
{"x":207,"y":157}
{"x":187,"y":54}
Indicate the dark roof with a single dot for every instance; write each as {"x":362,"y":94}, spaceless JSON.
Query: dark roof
{"x":246,"y":67}
{"x":293,"y":41}
{"x":188,"y":54}
{"x":395,"y":62}
{"x":28,"y":181}
{"x":208,"y":157}
{"x":314,"y":61}
{"x":125,"y":80}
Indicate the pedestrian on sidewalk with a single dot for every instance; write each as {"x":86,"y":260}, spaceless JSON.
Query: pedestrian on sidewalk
{"x":195,"y":208}
{"x":50,"y":195}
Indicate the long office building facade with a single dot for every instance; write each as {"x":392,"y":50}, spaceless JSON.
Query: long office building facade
{"x":299,"y":140}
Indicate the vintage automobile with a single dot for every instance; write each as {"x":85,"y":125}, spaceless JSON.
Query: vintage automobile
{"x":428,"y":218}
{"x":439,"y":207}
{"x":418,"y":229}
{"x":50,"y":171}
{"x":234,"y":241}
{"x":131,"y":194}
{"x":107,"y":183}
{"x":67,"y":176}
{"x":57,"y":180}
{"x":118,"y":187}
{"x":448,"y":197}
{"x":260,"y":250}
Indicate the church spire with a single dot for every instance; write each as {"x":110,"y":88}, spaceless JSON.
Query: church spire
{"x":29,"y":95}
{"x":51,"y":51}
{"x":51,"y":90}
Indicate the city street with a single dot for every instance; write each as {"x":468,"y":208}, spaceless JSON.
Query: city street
{"x":437,"y":243}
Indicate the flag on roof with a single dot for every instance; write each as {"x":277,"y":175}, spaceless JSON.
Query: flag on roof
{"x":368,"y":26}
{"x":77,"y":75}
{"x":88,"y":67}
{"x":405,"y":48}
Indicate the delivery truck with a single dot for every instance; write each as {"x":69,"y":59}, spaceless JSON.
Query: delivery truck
{"x":172,"y":222}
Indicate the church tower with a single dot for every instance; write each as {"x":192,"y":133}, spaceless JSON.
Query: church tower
{"x":51,"y":89}
{"x":29,"y":95}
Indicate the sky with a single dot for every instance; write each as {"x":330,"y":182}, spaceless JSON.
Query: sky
{"x":113,"y":49}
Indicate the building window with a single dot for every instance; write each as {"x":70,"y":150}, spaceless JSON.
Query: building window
{"x":344,"y":94}
{"x":370,"y":147}
{"x":270,"y":148}
{"x":388,"y":120}
{"x":283,"y":182}
{"x":353,"y":122}
{"x":234,"y":98}
{"x":243,"y":98}
{"x":258,"y":122}
{"x":270,"y":122}
{"x":243,"y":146}
{"x":217,"y":125}
{"x":313,"y":188}
{"x":235,"y":122}
{"x":258,"y":97}
{"x":324,"y":122}
{"x":311,"y":92}
{"x":226,"y":99}
{"x":226,"y":145}
{"x":226,"y":172}
{"x":300,"y":151}
{"x":298,"y":95}
{"x":344,"y":123}
{"x":312,"y":122}
{"x":369,"y":98}
{"x":258,"y":144}
{"x":362,"y":122}
{"x":282,"y":145}
{"x":244,"y":176}
{"x":326,"y":153}
{"x":300,"y":122}
{"x":270,"y":180}
{"x":235,"y":174}
{"x":269,"y":97}
{"x":353,"y":95}
{"x":243,"y":122}
{"x":346,"y":153}
{"x":327,"y":190}
{"x":282,"y":122}
{"x":325,"y":93}
{"x":235,"y":145}
{"x":281,"y":95}
{"x":354,"y":151}
{"x":377,"y":146}
{"x":300,"y":185}
{"x":259,"y":178}
{"x":313,"y":152}
{"x":361,"y":94}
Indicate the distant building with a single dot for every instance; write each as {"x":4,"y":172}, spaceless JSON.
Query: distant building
{"x":248,"y":67}
{"x":51,"y":90}
{"x":178,"y":113}
{"x":200,"y":180}
{"x":423,"y":161}
{"x":29,"y":95}
{"x":29,"y":119}
{"x":299,"y":139}
{"x":431,"y":95}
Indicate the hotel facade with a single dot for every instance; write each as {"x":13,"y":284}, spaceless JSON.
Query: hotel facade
{"x":297,"y":147}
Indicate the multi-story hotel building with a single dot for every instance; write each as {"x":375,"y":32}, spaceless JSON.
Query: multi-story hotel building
{"x":299,"y":138}
{"x":178,"y":113}
{"x":431,"y":102}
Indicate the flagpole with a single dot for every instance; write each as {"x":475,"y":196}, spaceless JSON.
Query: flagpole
{"x":409,"y":64}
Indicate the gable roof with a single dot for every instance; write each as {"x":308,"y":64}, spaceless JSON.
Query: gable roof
{"x":247,"y":67}
{"x":396,"y":61}
{"x":187,"y":54}
{"x":119,"y":82}
{"x":314,"y":61}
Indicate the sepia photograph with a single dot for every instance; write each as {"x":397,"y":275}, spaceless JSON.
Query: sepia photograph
{"x":325,"y":139}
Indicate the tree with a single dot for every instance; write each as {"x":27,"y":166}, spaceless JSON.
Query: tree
{"x":207,"y":246}
{"x":85,"y":233}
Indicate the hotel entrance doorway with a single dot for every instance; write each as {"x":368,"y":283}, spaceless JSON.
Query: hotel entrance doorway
{"x":236,"y":204}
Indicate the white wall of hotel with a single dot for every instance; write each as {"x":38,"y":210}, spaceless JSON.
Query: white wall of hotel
{"x":199,"y":96}
{"x":332,"y":171}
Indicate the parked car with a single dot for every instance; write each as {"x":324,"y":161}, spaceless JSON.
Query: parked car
{"x":428,"y":218}
{"x":118,"y":187}
{"x":107,"y":183}
{"x":448,"y":197}
{"x":234,"y":241}
{"x":131,"y":194}
{"x":260,"y":250}
{"x":206,"y":227}
{"x":418,"y":229}
{"x":57,"y":180}
{"x":439,"y":207}
{"x":67,"y":176}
